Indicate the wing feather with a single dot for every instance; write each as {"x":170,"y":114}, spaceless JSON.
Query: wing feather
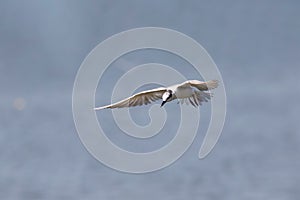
{"x":203,"y":86}
{"x":197,"y":98}
{"x":142,"y":98}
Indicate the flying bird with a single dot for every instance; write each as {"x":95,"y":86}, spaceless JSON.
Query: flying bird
{"x":191,"y":91}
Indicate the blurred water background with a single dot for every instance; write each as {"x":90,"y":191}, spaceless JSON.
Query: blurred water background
{"x":256,"y":47}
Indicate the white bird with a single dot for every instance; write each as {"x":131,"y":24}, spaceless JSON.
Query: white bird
{"x":192,"y":91}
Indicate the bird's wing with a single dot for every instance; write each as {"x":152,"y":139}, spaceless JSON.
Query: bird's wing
{"x":142,"y":98}
{"x":202,"y":86}
{"x":197,"y":98}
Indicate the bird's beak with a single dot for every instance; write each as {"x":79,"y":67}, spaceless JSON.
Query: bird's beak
{"x":163,"y":103}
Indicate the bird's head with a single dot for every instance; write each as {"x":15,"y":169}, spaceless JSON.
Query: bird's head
{"x":166,"y":96}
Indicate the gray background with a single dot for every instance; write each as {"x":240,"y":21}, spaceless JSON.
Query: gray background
{"x":255,"y":45}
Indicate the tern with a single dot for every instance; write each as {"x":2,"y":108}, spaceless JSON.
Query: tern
{"x":191,"y":91}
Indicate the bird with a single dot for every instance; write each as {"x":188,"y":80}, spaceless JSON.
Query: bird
{"x":190,"y":91}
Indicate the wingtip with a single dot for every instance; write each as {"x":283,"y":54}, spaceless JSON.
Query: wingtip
{"x":99,"y":108}
{"x":212,"y":84}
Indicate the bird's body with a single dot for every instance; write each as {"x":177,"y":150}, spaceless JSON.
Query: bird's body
{"x":191,"y":91}
{"x":182,"y":91}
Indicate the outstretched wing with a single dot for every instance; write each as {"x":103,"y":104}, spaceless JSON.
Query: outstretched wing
{"x":200,"y":95}
{"x":142,"y":98}
{"x":203,"y":86}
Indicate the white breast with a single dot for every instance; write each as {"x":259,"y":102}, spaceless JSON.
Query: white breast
{"x":184,"y":92}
